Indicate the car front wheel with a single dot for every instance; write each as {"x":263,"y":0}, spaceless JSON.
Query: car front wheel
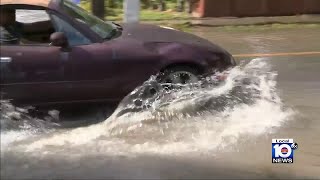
{"x":180,"y":75}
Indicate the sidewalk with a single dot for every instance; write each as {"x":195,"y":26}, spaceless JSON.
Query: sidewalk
{"x":228,"y":21}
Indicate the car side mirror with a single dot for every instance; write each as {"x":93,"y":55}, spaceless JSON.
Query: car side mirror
{"x":59,"y":39}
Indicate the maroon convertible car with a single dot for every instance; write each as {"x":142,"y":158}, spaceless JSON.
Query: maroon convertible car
{"x":54,"y":52}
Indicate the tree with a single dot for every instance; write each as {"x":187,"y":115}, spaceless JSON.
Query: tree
{"x":146,"y":3}
{"x":190,"y":5}
{"x":98,"y":8}
{"x":162,"y":5}
{"x":180,"y":5}
{"x":111,"y":3}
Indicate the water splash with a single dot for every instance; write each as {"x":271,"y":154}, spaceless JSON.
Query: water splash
{"x":205,"y":119}
{"x":17,"y":123}
{"x":192,"y":119}
{"x":244,"y":86}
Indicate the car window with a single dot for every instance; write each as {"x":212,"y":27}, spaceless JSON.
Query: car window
{"x":31,"y":16}
{"x":103,"y":28}
{"x":30,"y":27}
{"x":74,"y":36}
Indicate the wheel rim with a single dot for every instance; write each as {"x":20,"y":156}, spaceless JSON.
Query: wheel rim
{"x":181,"y":77}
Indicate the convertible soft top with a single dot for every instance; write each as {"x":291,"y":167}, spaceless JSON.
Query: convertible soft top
{"x":43,"y":3}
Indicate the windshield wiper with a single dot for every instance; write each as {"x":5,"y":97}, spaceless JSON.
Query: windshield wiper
{"x":117,"y":31}
{"x":119,"y":27}
{"x":112,"y":34}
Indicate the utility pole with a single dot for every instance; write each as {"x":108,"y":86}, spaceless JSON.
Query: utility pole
{"x":98,"y":8}
{"x":131,"y":11}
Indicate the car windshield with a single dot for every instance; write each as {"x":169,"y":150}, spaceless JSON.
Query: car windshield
{"x":104,"y":29}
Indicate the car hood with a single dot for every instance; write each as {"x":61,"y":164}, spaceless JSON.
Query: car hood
{"x":151,"y":33}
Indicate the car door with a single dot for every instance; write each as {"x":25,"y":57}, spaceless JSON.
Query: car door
{"x":101,"y":70}
{"x":93,"y":77}
{"x":34,"y":72}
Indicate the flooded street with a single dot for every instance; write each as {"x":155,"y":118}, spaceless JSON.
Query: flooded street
{"x":298,"y":83}
{"x":215,"y":132}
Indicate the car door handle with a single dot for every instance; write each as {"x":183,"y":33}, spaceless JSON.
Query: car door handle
{"x":5,"y":59}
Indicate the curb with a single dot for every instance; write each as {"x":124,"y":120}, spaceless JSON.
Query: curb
{"x":245,"y":21}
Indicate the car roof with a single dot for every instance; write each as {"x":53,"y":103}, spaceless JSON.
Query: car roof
{"x":43,"y":3}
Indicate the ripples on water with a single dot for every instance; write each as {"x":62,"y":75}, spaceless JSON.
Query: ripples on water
{"x":192,"y":120}
{"x":18,"y":123}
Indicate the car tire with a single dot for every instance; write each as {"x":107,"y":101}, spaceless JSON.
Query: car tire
{"x":179,"y":75}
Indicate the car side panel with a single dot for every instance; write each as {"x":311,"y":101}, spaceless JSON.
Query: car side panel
{"x":110,"y":70}
{"x":34,"y":74}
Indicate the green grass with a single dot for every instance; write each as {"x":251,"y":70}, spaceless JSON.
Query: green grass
{"x":152,"y":15}
{"x":167,"y":18}
{"x":116,"y":14}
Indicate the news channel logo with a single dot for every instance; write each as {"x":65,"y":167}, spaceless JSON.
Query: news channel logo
{"x":283,"y":150}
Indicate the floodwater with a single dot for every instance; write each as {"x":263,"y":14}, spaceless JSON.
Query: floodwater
{"x":215,"y":132}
